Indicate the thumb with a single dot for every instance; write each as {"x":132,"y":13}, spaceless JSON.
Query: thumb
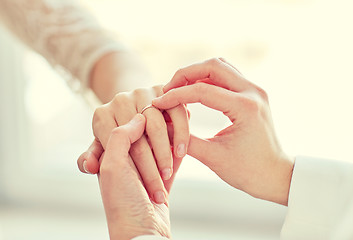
{"x":203,"y":150}
{"x":122,"y":137}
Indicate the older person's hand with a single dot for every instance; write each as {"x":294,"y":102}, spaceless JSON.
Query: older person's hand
{"x":247,"y":154}
{"x":128,"y":208}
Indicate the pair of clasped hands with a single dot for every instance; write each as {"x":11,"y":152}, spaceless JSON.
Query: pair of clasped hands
{"x":137,"y":155}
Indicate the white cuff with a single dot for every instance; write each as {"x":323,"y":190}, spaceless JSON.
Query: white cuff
{"x":320,"y":199}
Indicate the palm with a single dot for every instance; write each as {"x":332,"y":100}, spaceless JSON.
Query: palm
{"x":245,"y":136}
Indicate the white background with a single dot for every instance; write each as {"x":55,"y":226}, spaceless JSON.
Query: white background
{"x":300,"y":52}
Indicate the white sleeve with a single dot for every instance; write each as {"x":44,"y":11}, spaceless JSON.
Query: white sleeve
{"x":150,"y":237}
{"x":67,"y":35}
{"x":320,"y":204}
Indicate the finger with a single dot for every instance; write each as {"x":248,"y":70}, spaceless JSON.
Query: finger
{"x":145,"y":163}
{"x":180,"y":121}
{"x":176,"y":164}
{"x":156,"y":130}
{"x":88,"y":162}
{"x":217,"y":71}
{"x":203,"y":150}
{"x":211,"y":96}
{"x":103,"y":123}
{"x":141,"y":152}
{"x":116,"y":157}
{"x":170,"y":130}
{"x":225,"y":61}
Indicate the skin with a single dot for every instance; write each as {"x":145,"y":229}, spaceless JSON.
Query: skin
{"x":152,"y":153}
{"x":155,"y":164}
{"x":128,"y":208}
{"x":247,"y":154}
{"x":117,"y":72}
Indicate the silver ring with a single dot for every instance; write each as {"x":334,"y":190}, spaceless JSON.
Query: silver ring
{"x":147,"y":107}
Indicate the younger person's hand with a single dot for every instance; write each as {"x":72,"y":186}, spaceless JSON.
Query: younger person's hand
{"x":247,"y":154}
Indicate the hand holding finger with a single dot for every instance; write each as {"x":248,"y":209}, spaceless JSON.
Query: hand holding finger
{"x":247,"y":154}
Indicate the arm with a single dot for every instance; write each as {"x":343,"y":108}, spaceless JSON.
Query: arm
{"x":71,"y":39}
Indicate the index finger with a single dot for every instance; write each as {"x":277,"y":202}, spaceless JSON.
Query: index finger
{"x":216,"y":70}
{"x":209,"y":95}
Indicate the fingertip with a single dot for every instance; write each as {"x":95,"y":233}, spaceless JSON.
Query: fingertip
{"x":138,"y":119}
{"x":156,"y":102}
{"x":180,"y":150}
{"x":166,"y":173}
{"x":91,"y":164}
{"x":160,"y":197}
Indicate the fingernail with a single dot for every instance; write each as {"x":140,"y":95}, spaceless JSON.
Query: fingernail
{"x":166,"y":173}
{"x":159,"y":197}
{"x":85,"y":167}
{"x":157,"y":99}
{"x":181,"y":150}
{"x":135,"y":120}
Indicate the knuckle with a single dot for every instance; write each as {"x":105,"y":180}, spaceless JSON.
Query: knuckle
{"x":201,"y":90}
{"x":158,"y":89}
{"x":214,"y":62}
{"x":200,"y":87}
{"x":99,"y":112}
{"x":262,"y":93}
{"x":179,"y":72}
{"x":139,"y":92}
{"x":99,"y":116}
{"x":121,"y":100}
{"x":250,"y":105}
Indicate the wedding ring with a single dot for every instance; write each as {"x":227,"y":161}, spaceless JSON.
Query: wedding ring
{"x":147,"y":107}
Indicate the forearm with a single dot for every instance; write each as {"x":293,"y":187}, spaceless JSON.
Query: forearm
{"x":71,"y":39}
{"x":117,"y":72}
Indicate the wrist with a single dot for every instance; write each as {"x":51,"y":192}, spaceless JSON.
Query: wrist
{"x":116,"y":72}
{"x":284,"y":177}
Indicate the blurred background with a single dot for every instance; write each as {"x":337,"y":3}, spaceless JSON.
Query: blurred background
{"x":299,"y":51}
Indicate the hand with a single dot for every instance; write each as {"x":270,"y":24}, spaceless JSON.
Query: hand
{"x":128,"y":209}
{"x":151,"y":154}
{"x":247,"y":154}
